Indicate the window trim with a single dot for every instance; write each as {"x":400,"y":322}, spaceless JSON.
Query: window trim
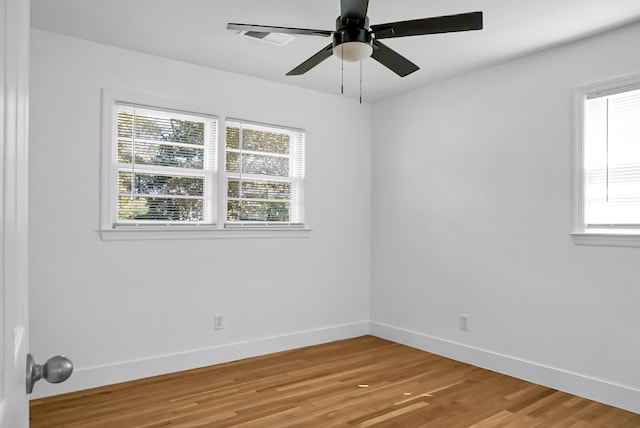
{"x":615,"y":236}
{"x":172,"y":231}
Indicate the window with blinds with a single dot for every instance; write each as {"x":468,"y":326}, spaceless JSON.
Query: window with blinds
{"x":611,"y":159}
{"x":165,"y":176}
{"x":165,"y":164}
{"x":264,"y":168}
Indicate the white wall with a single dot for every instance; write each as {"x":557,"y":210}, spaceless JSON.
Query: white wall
{"x":122,"y":310}
{"x":472,"y":212}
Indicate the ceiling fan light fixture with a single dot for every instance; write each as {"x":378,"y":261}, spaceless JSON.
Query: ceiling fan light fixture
{"x":353,"y":51}
{"x":354,"y":39}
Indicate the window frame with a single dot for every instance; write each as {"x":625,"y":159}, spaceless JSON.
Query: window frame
{"x":207,"y":173}
{"x":108,"y":229}
{"x":298,"y":143}
{"x":582,"y":234}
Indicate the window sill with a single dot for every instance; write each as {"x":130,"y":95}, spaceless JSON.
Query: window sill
{"x":141,"y":234}
{"x":624,"y":239}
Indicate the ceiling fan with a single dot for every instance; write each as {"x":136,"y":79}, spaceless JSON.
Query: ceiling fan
{"x":354,"y":39}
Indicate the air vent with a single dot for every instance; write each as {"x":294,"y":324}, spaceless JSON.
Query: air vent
{"x":278,"y":39}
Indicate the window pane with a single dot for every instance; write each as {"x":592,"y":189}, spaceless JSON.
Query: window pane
{"x":232,"y":162}
{"x":233,"y":137}
{"x":257,"y":211}
{"x":160,"y":129}
{"x":259,"y":190}
{"x":125,"y":125}
{"x":161,"y":154}
{"x":233,"y":189}
{"x":262,"y":141}
{"x":152,"y":184}
{"x":164,"y":209}
{"x":257,"y":164}
{"x":265,"y":165}
{"x":612,"y":159}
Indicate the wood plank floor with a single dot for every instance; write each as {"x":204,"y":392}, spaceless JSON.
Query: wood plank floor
{"x":361,"y":382}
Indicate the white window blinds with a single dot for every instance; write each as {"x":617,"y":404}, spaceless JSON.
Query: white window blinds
{"x":612,"y":159}
{"x":166,"y":162}
{"x":264,"y":168}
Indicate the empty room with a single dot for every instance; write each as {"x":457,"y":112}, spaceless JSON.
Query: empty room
{"x":279,"y":213}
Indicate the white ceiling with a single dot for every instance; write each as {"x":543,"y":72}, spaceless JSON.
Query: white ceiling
{"x":195,"y":31}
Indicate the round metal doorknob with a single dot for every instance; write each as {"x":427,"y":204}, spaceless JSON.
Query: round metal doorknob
{"x":57,"y":369}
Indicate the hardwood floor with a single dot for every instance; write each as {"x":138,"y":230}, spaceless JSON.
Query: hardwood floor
{"x":361,"y":382}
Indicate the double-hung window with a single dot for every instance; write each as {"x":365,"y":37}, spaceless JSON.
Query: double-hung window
{"x":165,"y":175}
{"x":607,"y":203}
{"x":264,"y":168}
{"x":164,"y":167}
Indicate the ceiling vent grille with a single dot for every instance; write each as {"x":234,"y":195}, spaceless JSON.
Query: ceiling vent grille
{"x":278,"y":39}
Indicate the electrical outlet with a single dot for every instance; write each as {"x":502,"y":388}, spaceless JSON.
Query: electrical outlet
{"x":218,"y":321}
{"x":464,"y":322}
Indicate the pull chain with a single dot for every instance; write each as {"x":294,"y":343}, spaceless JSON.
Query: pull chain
{"x":360,"y":82}
{"x":342,"y":74}
{"x":342,"y":71}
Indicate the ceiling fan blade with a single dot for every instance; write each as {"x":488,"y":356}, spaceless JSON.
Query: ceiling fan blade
{"x":440,"y":24}
{"x":272,"y":29}
{"x":392,"y":59}
{"x":353,"y":9}
{"x":314,"y":60}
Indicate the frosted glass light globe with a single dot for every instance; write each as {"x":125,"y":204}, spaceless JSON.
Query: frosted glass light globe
{"x":353,"y":51}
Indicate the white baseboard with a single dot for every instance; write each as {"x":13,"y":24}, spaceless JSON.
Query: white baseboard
{"x":621,"y":396}
{"x":92,"y":377}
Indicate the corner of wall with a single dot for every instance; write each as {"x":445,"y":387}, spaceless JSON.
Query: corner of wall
{"x":600,"y":390}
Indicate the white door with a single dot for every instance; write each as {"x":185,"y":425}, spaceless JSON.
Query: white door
{"x":14,"y":329}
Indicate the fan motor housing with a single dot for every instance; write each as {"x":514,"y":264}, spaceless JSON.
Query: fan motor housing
{"x":346,"y":35}
{"x":349,"y":29}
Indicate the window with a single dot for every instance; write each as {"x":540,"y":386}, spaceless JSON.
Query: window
{"x":161,"y":176}
{"x":607,"y":206}
{"x":264,"y":172}
{"x":165,"y":166}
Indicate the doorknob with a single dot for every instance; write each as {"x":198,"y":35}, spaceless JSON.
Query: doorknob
{"x":57,"y":369}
